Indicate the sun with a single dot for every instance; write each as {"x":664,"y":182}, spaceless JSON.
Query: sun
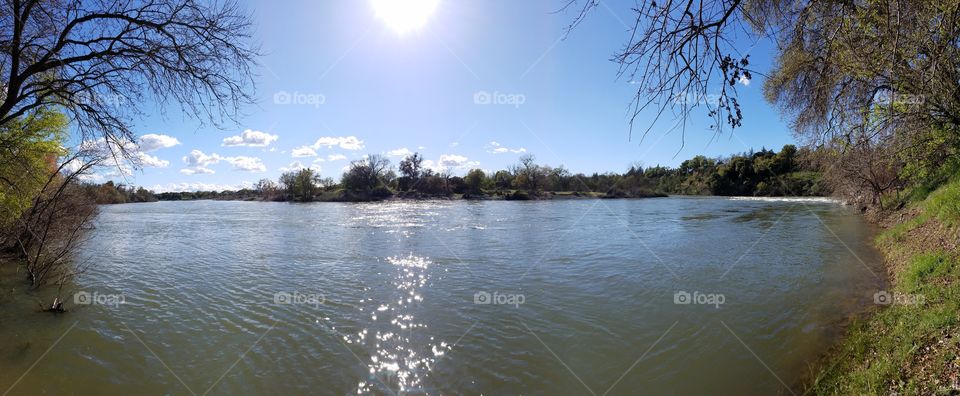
{"x":404,"y":15}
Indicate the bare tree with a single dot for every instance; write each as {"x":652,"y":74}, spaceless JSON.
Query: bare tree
{"x":366,"y":174}
{"x":682,"y":55}
{"x":98,"y":60}
{"x":57,"y":221}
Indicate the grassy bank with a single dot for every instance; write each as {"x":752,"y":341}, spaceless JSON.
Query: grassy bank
{"x":909,"y":347}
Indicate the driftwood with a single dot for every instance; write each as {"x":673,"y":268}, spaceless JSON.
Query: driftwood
{"x":56,"y":307}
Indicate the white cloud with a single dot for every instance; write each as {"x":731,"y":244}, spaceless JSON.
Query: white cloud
{"x":497,"y":148}
{"x":88,"y":175}
{"x":91,"y":177}
{"x":153,"y":141}
{"x":181,"y":187}
{"x":247,"y":164}
{"x":303,"y":151}
{"x":744,"y":80}
{"x":452,"y":162}
{"x":197,"y":171}
{"x":297,"y":165}
{"x":400,"y":152}
{"x":336,"y":157}
{"x":151,"y":161}
{"x":123,"y":169}
{"x":344,"y":142}
{"x":198,"y":162}
{"x":250,"y":138}
{"x":116,"y":164}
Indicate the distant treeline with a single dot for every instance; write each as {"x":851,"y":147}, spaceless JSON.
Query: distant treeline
{"x":761,"y":173}
{"x":110,"y":193}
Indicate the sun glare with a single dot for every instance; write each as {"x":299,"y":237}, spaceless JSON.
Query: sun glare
{"x":404,"y":15}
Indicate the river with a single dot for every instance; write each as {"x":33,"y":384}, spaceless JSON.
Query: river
{"x":653,"y":296}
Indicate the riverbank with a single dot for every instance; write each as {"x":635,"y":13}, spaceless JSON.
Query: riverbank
{"x":911,"y":345}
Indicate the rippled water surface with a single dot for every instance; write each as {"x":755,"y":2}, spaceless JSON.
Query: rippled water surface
{"x":436,"y":297}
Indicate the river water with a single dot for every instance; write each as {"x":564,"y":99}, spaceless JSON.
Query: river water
{"x":654,"y":296}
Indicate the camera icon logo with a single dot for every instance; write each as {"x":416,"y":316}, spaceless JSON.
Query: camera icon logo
{"x":681,"y":297}
{"x":282,"y":298}
{"x":282,"y":98}
{"x":82,"y":298}
{"x":882,"y":298}
{"x":482,"y":297}
{"x":482,"y":98}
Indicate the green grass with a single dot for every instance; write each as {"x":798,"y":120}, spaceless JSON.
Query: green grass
{"x":872,"y":358}
{"x":899,"y":232}
{"x":881,"y":353}
{"x":944,"y":204}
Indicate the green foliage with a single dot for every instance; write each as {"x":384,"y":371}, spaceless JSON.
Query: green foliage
{"x":108,"y":193}
{"x":301,"y":185}
{"x":475,"y":181}
{"x":944,"y":204}
{"x":29,"y":148}
{"x":931,"y":158}
{"x":762,"y":173}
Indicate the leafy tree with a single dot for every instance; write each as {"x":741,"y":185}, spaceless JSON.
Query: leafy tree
{"x":301,"y":185}
{"x":474,"y":181}
{"x":559,"y":179}
{"x":502,"y":180}
{"x":29,"y":148}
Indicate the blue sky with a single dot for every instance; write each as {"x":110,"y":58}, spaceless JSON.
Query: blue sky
{"x":478,"y":85}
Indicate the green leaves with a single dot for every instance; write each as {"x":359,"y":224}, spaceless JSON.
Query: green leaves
{"x":29,"y":149}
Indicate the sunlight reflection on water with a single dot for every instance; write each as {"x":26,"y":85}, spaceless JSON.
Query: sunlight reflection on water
{"x":401,"y":356}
